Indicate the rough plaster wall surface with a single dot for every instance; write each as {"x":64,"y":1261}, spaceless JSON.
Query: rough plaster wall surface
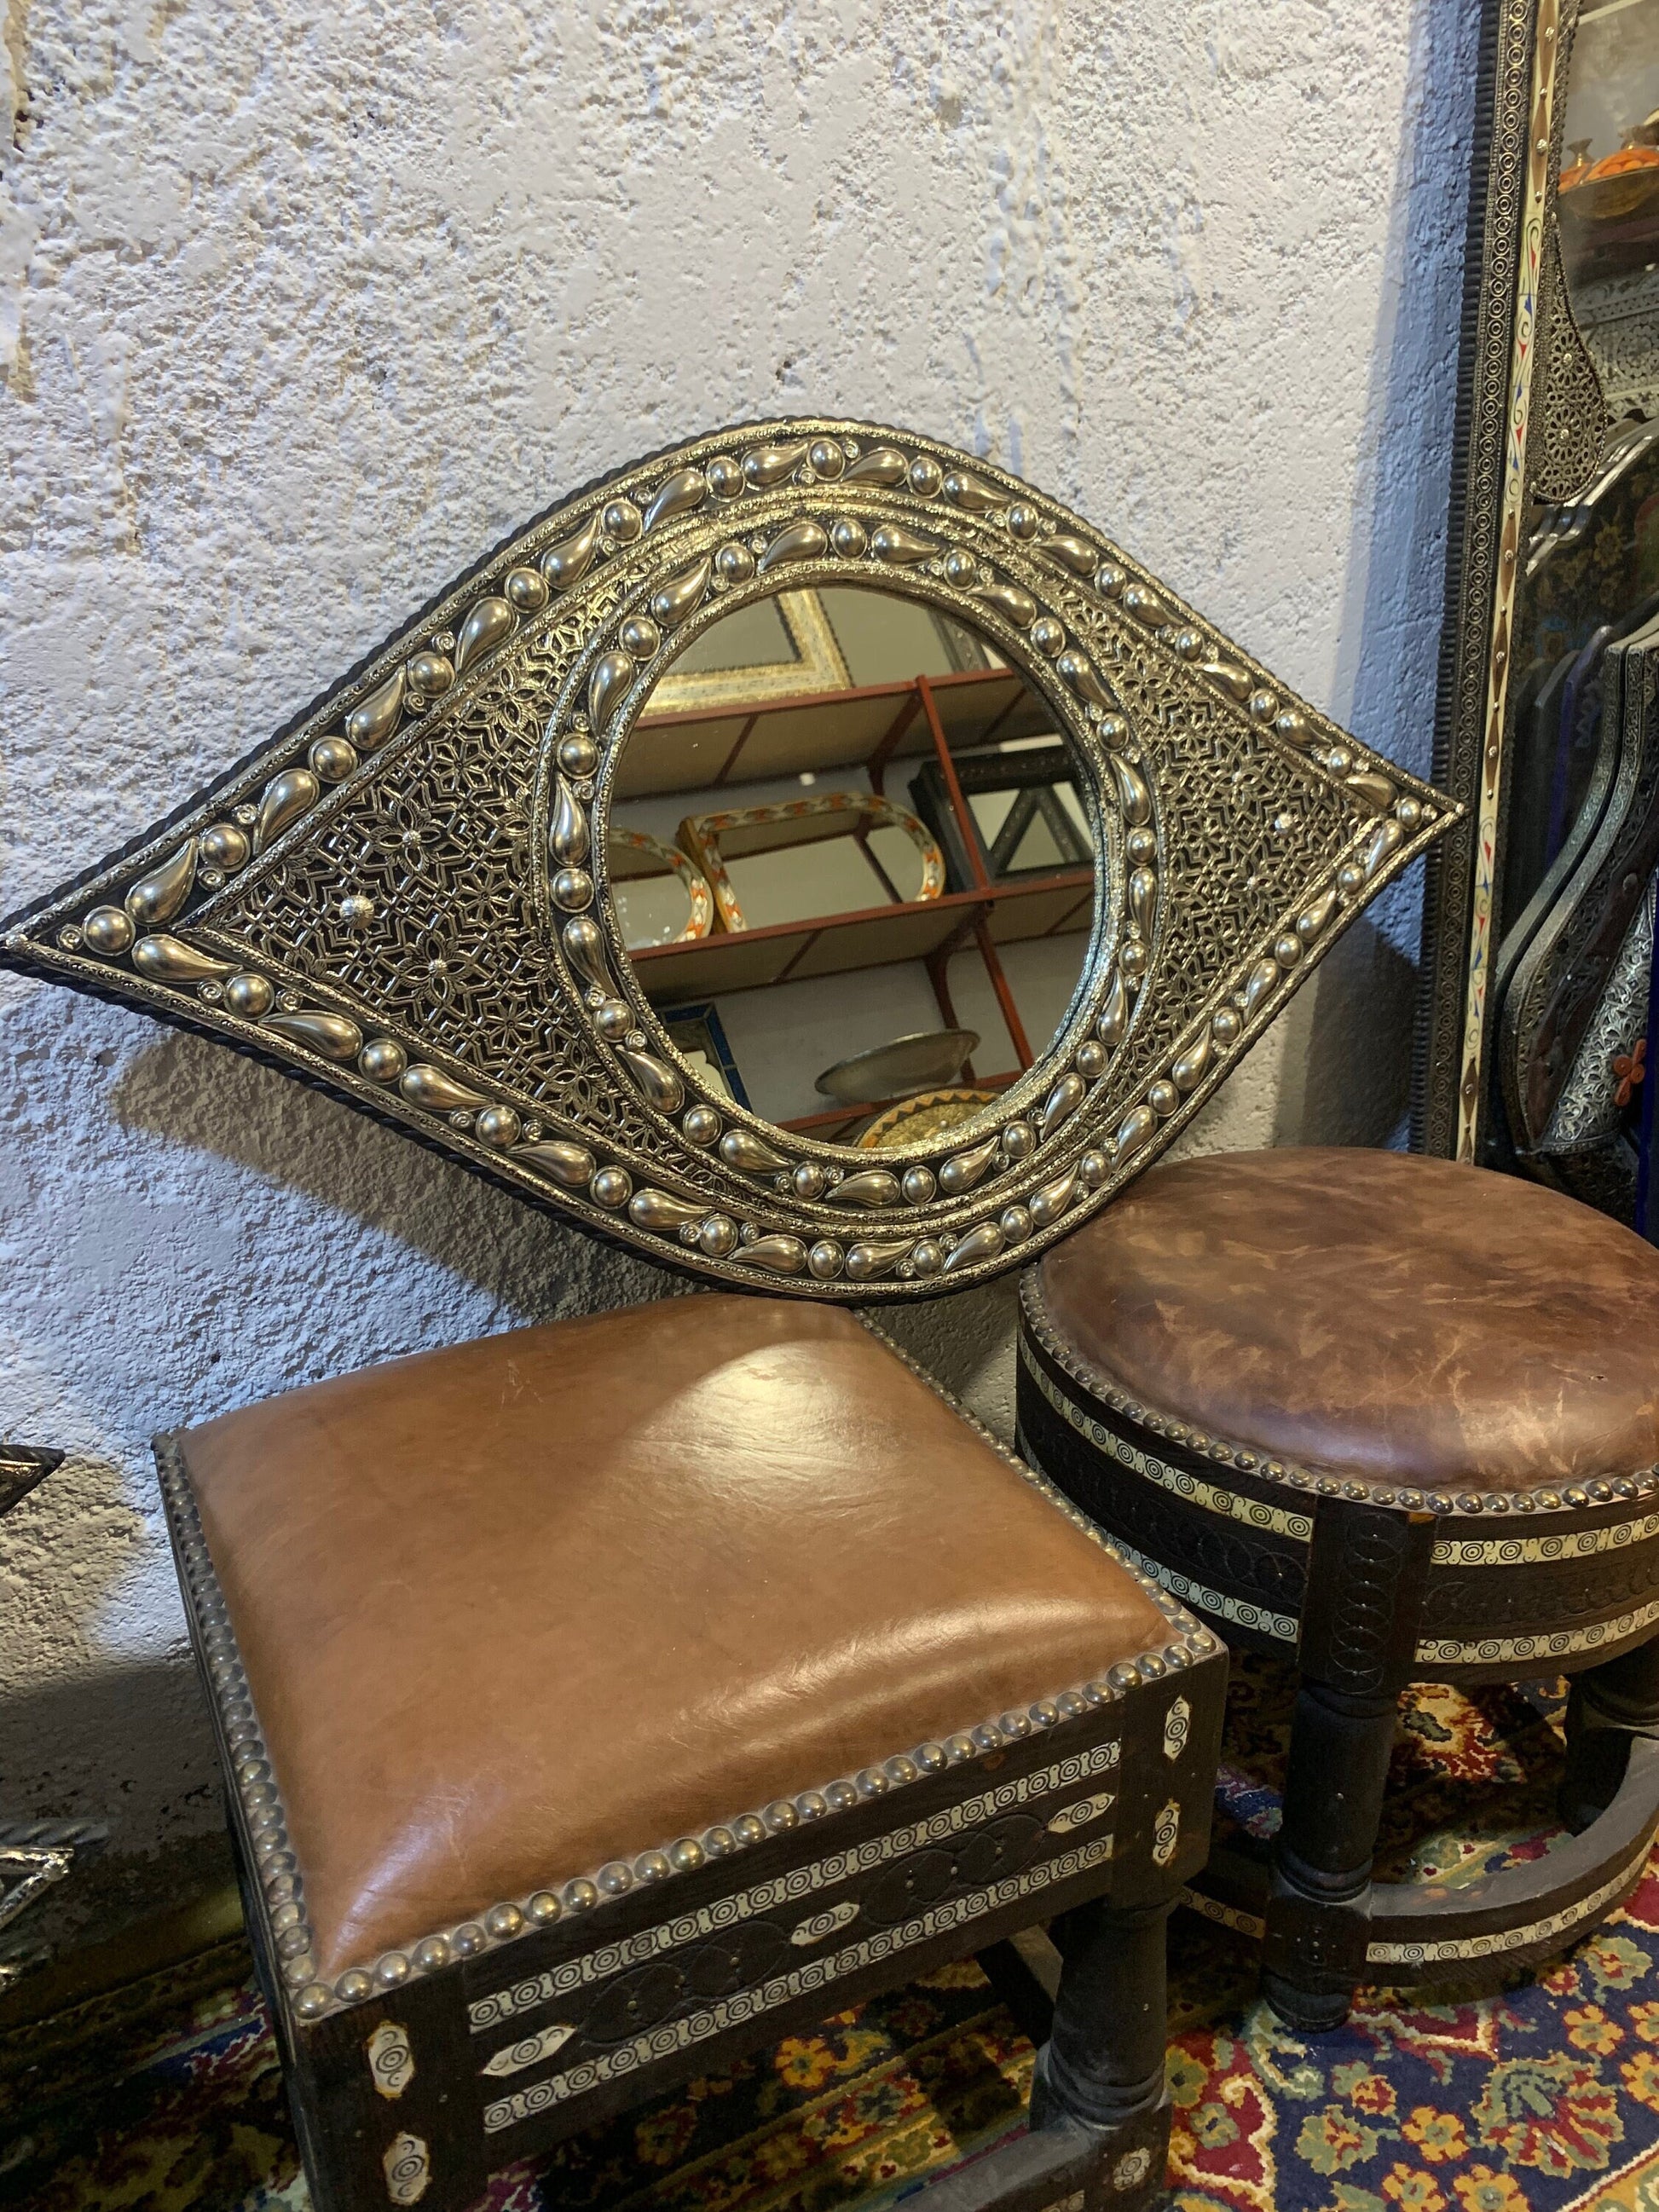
{"x":303,"y":305}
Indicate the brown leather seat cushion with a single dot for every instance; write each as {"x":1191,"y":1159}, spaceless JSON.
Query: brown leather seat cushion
{"x":1375,"y":1316}
{"x":510,"y":1611}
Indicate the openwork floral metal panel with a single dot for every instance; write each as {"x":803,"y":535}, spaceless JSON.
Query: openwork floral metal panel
{"x":405,"y":898}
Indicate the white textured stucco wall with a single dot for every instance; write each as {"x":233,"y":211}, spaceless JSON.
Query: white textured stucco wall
{"x":303,"y":305}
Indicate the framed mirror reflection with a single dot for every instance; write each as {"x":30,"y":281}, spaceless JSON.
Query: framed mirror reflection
{"x":883,"y":879}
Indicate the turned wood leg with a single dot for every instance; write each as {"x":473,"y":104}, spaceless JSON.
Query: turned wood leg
{"x":1608,"y":1705}
{"x":1318,"y":1910}
{"x":1101,"y":2072}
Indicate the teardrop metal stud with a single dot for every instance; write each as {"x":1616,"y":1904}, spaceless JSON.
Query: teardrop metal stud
{"x":802,"y":541}
{"x":330,"y":1035}
{"x":676,"y":495}
{"x":883,"y":465}
{"x":971,"y":493}
{"x":1067,"y":552}
{"x":873,"y":1186}
{"x":1134,"y":795}
{"x":584,"y":948}
{"x":1145,"y":606}
{"x":655,"y":1209}
{"x":1312,"y":920}
{"x":287,"y":798}
{"x":657,"y":1082}
{"x":566,"y":562}
{"x":571,"y":1165}
{"x":1080,"y":672}
{"x":1133,"y":1131}
{"x":1061,"y":1103}
{"x":982,"y":1243}
{"x":1114,"y":1014}
{"x":903,"y":547}
{"x":866,"y":1261}
{"x":371,"y":721}
{"x":169,"y":960}
{"x":1049,"y":1203}
{"x":783,"y":1255}
{"x":964,"y":1170}
{"x":437,"y":1092}
{"x":158,"y":896}
{"x":740,"y":1148}
{"x":1007,"y":599}
{"x":568,"y":836}
{"x":1143,"y":899}
{"x":1376,"y":791}
{"x":1237,"y":682}
{"x":1262,"y":978}
{"x":1386,"y":839}
{"x":1188,"y":1065}
{"x":481,"y":632}
{"x":766,"y":465}
{"x":606,"y":686}
{"x":677,"y":598}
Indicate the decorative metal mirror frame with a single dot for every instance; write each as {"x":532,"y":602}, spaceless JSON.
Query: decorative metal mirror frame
{"x":1530,"y":419}
{"x":1207,"y":914}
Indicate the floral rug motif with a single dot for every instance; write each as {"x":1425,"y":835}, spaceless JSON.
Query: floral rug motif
{"x":1541,"y":2096}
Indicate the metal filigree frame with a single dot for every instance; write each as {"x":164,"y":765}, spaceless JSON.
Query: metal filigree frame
{"x":1238,"y":832}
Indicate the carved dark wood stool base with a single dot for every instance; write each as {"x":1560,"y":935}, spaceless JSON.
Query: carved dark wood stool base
{"x":1390,"y":1419}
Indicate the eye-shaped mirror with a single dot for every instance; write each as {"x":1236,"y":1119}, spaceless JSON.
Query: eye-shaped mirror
{"x":868,"y":913}
{"x":811,"y":857}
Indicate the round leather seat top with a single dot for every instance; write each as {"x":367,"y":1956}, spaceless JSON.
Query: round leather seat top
{"x":1375,"y":1316}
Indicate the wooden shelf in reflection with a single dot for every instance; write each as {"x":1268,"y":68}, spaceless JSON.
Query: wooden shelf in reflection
{"x":874,"y":937}
{"x":704,"y":749}
{"x":841,"y":1124}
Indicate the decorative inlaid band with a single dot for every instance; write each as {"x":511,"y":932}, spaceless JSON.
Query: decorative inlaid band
{"x":1500,"y":1940}
{"x":725,"y":1912}
{"x":1238,"y":1609}
{"x":1488,"y":1649}
{"x":1193,"y":1487}
{"x":1226,"y":1916}
{"x":675,"y":2036}
{"x":1530,"y":1550}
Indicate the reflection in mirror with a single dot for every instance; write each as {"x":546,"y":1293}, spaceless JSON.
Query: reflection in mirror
{"x":876,"y":819}
{"x":1609,"y":198}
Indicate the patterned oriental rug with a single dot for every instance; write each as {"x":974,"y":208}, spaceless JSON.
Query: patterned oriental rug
{"x":1542,"y":2096}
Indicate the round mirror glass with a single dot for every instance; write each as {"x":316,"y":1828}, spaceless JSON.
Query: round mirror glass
{"x":852,"y":866}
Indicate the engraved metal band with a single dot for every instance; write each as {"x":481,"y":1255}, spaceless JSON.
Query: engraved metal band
{"x":677,"y":2036}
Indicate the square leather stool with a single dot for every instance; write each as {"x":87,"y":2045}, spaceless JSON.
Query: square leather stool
{"x":1391,"y":1420}
{"x":604,"y":1699}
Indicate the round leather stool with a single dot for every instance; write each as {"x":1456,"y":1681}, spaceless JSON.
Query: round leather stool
{"x":1391,"y":1420}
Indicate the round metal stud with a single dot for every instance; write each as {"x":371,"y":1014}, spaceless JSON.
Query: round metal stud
{"x":432,"y":1953}
{"x":1125,"y":1675}
{"x":735,"y":563}
{"x":578,"y":754}
{"x":902,"y":1772}
{"x":468,"y":1940}
{"x":1045,"y":1712}
{"x":503,"y":1920}
{"x":871,"y":1782}
{"x":720,"y":1843}
{"x":840,"y":1796}
{"x":1071,"y":1705}
{"x":960,"y":1747}
{"x":988,"y":1736}
{"x":931,"y":1758}
{"x":652,"y":1866}
{"x":354,"y":1986}
{"x":686,"y":1857}
{"x":699,"y":1124}
{"x":826,"y":1260}
{"x":780,"y":1816}
{"x":391,"y":1970}
{"x":812,"y":1805}
{"x":616,"y":1878}
{"x":749,"y":1829}
{"x":926,"y":476}
{"x":1014,"y":1724}
{"x":313,"y":2001}
{"x":580,"y":1896}
{"x":612,"y":1187}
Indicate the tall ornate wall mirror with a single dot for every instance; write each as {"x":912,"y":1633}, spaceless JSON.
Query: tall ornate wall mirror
{"x":1541,"y":916}
{"x":811,"y":856}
